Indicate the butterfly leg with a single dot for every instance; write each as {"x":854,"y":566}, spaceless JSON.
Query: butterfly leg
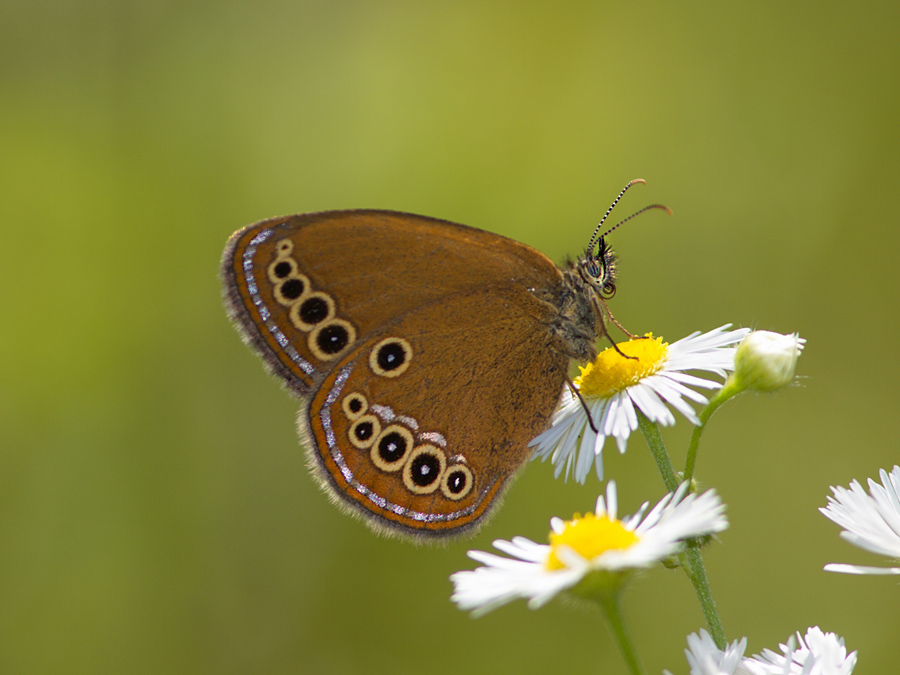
{"x":587,"y":411}
{"x":605,"y":332}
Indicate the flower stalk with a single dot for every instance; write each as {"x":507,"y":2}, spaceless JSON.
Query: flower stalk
{"x":613,"y":611}
{"x":692,"y":558}
{"x":658,"y":449}
{"x":692,"y":562}
{"x":729,"y":391}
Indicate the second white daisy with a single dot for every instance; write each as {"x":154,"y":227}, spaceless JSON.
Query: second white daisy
{"x":591,"y":554}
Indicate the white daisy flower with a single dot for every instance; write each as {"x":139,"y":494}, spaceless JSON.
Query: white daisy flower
{"x":597,"y":549}
{"x":613,"y":388}
{"x":870,"y":521}
{"x":819,"y":653}
{"x":705,"y":658}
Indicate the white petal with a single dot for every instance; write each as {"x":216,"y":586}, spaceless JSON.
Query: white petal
{"x":692,"y":380}
{"x":860,"y":569}
{"x":651,"y":405}
{"x":583,"y":462}
{"x":612,"y":500}
{"x":668,"y":391}
{"x":598,"y":466}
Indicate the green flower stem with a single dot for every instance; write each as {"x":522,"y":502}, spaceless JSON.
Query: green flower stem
{"x":610,"y":604}
{"x":658,"y":449}
{"x":691,"y":558}
{"x":729,"y":390}
{"x":692,"y":561}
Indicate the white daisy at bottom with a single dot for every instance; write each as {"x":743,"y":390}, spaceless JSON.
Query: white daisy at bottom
{"x":870,"y":521}
{"x":705,"y":658}
{"x":593,"y":553}
{"x":818,"y":653}
{"x":614,"y":388}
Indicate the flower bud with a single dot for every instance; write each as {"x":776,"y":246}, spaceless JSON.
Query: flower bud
{"x":767,"y":361}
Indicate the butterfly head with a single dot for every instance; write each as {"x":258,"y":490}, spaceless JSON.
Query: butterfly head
{"x":598,"y":270}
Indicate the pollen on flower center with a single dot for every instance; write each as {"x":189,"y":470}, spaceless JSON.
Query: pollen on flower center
{"x":589,"y":536}
{"x":610,"y":372}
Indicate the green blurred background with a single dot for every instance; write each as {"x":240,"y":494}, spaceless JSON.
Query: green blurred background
{"x":156,"y":515}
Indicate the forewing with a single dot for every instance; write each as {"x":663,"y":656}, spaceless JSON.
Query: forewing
{"x":305,"y":289}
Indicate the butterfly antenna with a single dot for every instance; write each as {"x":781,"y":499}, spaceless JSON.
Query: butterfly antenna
{"x":637,"y":213}
{"x":609,"y":210}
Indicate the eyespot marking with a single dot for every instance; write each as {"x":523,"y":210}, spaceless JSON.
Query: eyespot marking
{"x":354,"y":405}
{"x":457,"y":482}
{"x":284,"y":247}
{"x":391,"y":448}
{"x":424,"y":469}
{"x":390,"y":357}
{"x":331,"y":338}
{"x":281,"y":269}
{"x":290,"y":290}
{"x":312,"y":310}
{"x":364,"y":431}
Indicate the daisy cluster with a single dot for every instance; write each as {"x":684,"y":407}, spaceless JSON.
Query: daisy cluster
{"x":594,"y":555}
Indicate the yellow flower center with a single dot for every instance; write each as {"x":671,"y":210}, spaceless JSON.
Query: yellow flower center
{"x":611,"y":373}
{"x":590,"y":536}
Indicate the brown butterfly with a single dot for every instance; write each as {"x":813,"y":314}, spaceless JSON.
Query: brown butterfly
{"x":427,"y":354}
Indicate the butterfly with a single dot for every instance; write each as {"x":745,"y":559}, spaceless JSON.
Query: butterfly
{"x":426,"y":354}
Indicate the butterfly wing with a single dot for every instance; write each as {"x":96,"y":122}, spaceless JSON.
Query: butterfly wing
{"x":423,"y":348}
{"x":303,"y":289}
{"x":421,"y":426}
